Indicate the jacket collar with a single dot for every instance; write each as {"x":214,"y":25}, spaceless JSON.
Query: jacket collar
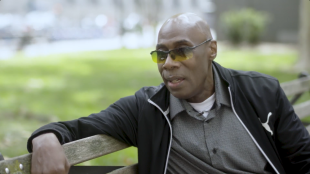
{"x":223,"y":73}
{"x":162,"y":97}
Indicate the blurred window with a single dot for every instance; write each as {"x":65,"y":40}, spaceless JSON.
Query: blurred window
{"x":176,"y":3}
{"x":95,"y":2}
{"x":138,"y":2}
{"x":71,"y":1}
{"x":194,"y":3}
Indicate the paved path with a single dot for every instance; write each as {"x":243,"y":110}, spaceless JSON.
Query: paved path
{"x":129,"y":40}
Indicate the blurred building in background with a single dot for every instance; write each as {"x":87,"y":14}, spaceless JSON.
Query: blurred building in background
{"x":122,"y":23}
{"x":80,"y":19}
{"x":130,"y":23}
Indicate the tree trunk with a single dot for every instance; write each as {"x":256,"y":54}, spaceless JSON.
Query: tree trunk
{"x":304,"y":36}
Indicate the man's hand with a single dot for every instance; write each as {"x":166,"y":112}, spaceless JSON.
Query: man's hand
{"x":48,"y":156}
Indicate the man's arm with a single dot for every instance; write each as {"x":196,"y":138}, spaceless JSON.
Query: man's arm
{"x":292,"y":139}
{"x":119,"y":120}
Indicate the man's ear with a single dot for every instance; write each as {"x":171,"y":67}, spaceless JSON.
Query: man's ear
{"x":213,"y":47}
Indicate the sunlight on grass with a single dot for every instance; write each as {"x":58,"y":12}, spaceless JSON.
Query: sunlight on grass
{"x":250,"y":61}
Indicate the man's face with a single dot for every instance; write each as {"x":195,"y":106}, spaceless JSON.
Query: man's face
{"x":190,"y":79}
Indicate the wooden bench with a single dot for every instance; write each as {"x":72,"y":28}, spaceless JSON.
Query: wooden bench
{"x":99,"y":145}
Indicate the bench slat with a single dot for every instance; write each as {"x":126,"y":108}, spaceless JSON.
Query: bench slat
{"x":133,"y":169}
{"x":296,"y":86}
{"x":92,"y":147}
{"x":302,"y":109}
{"x":76,"y":152}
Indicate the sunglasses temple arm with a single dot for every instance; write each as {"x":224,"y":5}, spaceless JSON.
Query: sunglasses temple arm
{"x":201,"y":43}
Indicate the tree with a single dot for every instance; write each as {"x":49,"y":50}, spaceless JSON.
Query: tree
{"x":304,"y":35}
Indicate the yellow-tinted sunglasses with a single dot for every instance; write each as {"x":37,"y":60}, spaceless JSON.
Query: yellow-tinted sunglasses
{"x":178,"y":54}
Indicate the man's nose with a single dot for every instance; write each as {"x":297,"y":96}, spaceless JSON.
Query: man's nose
{"x":170,"y":63}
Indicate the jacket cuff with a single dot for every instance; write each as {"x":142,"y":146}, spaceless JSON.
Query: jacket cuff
{"x":41,"y":132}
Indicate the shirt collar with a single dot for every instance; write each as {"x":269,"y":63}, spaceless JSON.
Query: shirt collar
{"x":175,"y":106}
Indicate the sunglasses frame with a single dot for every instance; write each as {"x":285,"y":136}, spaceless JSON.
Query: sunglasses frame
{"x":191,"y":48}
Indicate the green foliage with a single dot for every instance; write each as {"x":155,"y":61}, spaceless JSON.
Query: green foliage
{"x":244,"y":25}
{"x":233,"y":24}
{"x":36,"y":91}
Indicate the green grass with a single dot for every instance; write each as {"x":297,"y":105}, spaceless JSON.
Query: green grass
{"x":36,"y":91}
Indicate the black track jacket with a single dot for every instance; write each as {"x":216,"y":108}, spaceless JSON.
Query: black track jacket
{"x":142,"y":120}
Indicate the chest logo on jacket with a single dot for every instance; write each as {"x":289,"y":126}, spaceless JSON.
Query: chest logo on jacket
{"x":265,"y":125}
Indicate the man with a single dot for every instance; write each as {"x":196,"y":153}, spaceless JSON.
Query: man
{"x":203,"y":119}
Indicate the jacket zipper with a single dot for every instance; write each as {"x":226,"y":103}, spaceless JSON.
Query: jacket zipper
{"x":165,"y":114}
{"x":261,"y":150}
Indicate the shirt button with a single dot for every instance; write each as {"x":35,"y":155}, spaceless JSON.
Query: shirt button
{"x":214,"y":150}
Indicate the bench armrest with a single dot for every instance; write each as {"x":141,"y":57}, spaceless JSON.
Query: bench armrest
{"x":76,"y":152}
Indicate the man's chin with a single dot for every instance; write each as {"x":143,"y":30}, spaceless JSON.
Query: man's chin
{"x":178,"y":94}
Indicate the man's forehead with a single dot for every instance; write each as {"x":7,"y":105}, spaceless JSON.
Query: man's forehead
{"x":177,"y":33}
{"x":186,"y":27}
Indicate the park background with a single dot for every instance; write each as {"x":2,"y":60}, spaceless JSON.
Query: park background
{"x":64,"y":59}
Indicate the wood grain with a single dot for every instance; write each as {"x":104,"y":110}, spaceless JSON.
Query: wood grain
{"x":302,"y":109}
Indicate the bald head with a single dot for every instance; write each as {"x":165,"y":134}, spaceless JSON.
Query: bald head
{"x":187,"y":21}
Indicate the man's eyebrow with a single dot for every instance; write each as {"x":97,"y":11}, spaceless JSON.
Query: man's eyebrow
{"x":182,"y":42}
{"x":160,"y":46}
{"x":179,"y":42}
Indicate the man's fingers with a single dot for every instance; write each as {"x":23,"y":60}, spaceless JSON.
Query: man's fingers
{"x":48,"y":156}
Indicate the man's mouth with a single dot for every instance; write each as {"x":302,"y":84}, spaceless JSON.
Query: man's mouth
{"x":175,"y":81}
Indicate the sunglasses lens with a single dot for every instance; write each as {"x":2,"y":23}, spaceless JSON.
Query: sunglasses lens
{"x":159,"y":57}
{"x":179,"y":54}
{"x":182,"y":54}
